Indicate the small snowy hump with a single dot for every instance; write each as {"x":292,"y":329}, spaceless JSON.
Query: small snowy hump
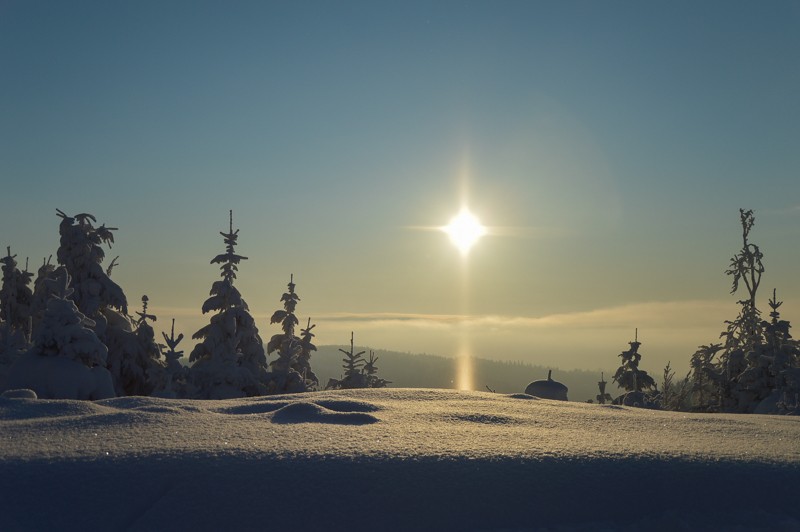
{"x":522,"y":396}
{"x":23,"y":393}
{"x":346,"y":406}
{"x":47,"y":408}
{"x":489,"y":419}
{"x":250,"y":408}
{"x":314,"y":413}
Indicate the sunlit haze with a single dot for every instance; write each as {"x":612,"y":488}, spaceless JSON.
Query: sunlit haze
{"x":609,"y":146}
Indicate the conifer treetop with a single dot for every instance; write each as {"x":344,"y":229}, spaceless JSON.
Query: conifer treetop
{"x":15,"y":295}
{"x":171,"y":341}
{"x":80,"y":252}
{"x":143,"y":315}
{"x":747,"y":264}
{"x":353,"y":361}
{"x":286,"y":317}
{"x":229,"y":260}
{"x":307,"y":336}
{"x":9,"y":264}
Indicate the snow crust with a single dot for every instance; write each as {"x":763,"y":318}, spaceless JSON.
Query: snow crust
{"x":391,"y":459}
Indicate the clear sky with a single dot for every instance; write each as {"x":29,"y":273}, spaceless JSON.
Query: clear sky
{"x":607,"y":145}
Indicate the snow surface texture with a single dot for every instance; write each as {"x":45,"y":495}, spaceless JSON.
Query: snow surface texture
{"x":391,"y":459}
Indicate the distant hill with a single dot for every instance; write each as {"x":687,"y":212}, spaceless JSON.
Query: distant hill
{"x":407,"y":370}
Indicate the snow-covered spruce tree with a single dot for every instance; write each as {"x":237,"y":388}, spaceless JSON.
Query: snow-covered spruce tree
{"x":175,"y":382}
{"x":98,"y":297}
{"x":757,"y":356}
{"x":290,"y":370}
{"x":15,"y":313}
{"x":229,"y":361}
{"x":674,"y":395}
{"x":41,"y":292}
{"x":67,"y":360}
{"x":141,"y":370}
{"x":705,"y":379}
{"x":603,"y":397}
{"x":784,"y":355}
{"x":303,"y":363}
{"x":15,"y":296}
{"x":632,"y":379}
{"x":353,"y":364}
{"x":80,"y":252}
{"x":769,"y":378}
{"x":358,"y":372}
{"x":370,"y":370}
{"x":743,"y":336}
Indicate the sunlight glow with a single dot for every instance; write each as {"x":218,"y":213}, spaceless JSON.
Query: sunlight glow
{"x":464,"y":375}
{"x":464,"y":230}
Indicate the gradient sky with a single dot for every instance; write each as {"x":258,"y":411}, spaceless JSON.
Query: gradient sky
{"x":608,"y":144}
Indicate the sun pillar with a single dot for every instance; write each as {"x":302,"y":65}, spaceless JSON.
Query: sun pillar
{"x":464,"y":367}
{"x":464,"y":231}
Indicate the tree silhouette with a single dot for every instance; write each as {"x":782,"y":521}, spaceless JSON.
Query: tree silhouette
{"x":628,"y":375}
{"x":15,"y":298}
{"x":603,"y":397}
{"x":229,"y":361}
{"x":358,"y":372}
{"x":757,"y":357}
{"x":290,"y":371}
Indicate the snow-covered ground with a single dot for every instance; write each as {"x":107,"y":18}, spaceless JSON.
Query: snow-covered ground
{"x":391,"y":459}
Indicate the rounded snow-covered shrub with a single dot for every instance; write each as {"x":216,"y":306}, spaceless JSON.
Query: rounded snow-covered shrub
{"x":636,"y":399}
{"x":67,"y":359}
{"x":548,"y":389}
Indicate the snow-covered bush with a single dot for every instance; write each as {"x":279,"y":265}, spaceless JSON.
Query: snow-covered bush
{"x":67,"y":360}
{"x":229,"y":361}
{"x":675,"y":395}
{"x":706,"y":381}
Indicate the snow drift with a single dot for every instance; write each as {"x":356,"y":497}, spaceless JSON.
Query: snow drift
{"x":391,"y":459}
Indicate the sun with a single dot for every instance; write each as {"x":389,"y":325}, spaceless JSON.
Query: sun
{"x":464,"y":230}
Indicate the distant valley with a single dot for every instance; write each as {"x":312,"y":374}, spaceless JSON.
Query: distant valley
{"x":407,"y":370}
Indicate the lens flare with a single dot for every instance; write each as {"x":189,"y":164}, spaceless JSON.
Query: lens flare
{"x":464,"y":231}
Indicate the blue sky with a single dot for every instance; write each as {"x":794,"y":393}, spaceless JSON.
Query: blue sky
{"x":614,"y":142}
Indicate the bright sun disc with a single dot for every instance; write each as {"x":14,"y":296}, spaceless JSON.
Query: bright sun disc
{"x":464,"y":230}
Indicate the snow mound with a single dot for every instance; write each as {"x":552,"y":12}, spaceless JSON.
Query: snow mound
{"x":23,"y":393}
{"x":489,"y":419}
{"x":47,"y":408}
{"x":391,"y":459}
{"x":347,"y":406}
{"x":260,"y":407}
{"x":314,"y":413}
{"x":522,"y":396}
